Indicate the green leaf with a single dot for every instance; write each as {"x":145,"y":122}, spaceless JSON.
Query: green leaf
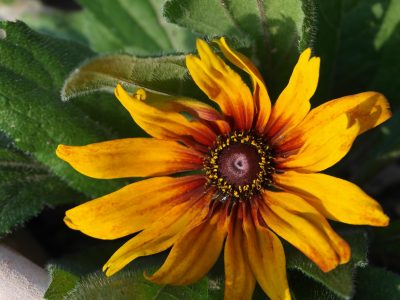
{"x":377,"y":283}
{"x":129,"y":284}
{"x":134,"y":26}
{"x":31,"y":112}
{"x":277,"y":29}
{"x":166,"y":74}
{"x":61,"y":283}
{"x":26,"y":187}
{"x":339,"y":280}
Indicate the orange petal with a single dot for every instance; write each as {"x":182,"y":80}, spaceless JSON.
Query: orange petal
{"x":239,"y":279}
{"x":132,"y":208}
{"x":260,"y":94}
{"x":193,"y":254}
{"x":266,"y":258}
{"x":324,"y":145}
{"x":335,"y":198}
{"x":161,"y":234}
{"x":135,"y":157}
{"x":161,"y":124}
{"x":293,"y":104}
{"x":291,"y":204}
{"x":222,"y":85}
{"x":329,"y":130}
{"x":197,"y":109}
{"x":303,"y":234}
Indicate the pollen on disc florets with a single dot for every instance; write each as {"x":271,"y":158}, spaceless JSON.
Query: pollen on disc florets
{"x":239,"y":165}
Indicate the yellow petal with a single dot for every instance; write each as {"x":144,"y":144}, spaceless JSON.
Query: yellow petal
{"x":329,"y":130}
{"x":160,"y":235}
{"x":335,"y":198}
{"x":135,"y":157}
{"x":305,"y":228}
{"x":260,"y":94}
{"x":324,"y":145}
{"x":163,"y":124}
{"x":266,"y":258}
{"x":222,"y":84}
{"x":193,"y":254}
{"x":293,"y":104}
{"x":239,"y":279}
{"x":302,"y":233}
{"x":132,"y":208}
{"x":369,"y":109}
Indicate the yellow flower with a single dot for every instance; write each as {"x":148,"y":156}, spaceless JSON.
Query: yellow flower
{"x":258,"y":176}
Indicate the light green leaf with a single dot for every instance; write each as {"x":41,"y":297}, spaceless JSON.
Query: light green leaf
{"x":339,"y":280}
{"x":31,"y":112}
{"x":377,"y":283}
{"x":276,"y":29}
{"x":134,"y":26}
{"x":26,"y":187}
{"x":61,"y":283}
{"x":129,"y":285}
{"x":166,"y":74}
{"x":209,"y":17}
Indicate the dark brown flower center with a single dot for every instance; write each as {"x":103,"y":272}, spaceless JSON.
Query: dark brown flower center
{"x":239,"y":165}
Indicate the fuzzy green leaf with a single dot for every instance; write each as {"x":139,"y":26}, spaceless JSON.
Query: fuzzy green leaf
{"x":26,"y":186}
{"x":277,"y":29}
{"x":339,"y":280}
{"x":32,"y":70}
{"x":61,"y":283}
{"x":129,"y":284}
{"x":166,"y":74}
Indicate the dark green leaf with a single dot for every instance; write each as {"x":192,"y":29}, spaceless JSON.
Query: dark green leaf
{"x":61,"y":283}
{"x":166,"y":74}
{"x":305,"y":288}
{"x":368,"y":50}
{"x":385,"y":148}
{"x":339,"y":280}
{"x":26,"y":186}
{"x":377,"y":283}
{"x":277,"y":29}
{"x":329,"y":16}
{"x":385,"y":244}
{"x":31,"y":112}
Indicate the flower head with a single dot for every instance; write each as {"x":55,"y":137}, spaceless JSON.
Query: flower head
{"x":257,"y":176}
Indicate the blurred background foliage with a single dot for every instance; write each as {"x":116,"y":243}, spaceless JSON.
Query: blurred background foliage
{"x":78,"y":50}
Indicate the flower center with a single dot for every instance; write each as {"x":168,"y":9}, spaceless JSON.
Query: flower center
{"x":239,"y":165}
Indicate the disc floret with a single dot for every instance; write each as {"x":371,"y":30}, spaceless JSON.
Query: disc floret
{"x":239,"y":165}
